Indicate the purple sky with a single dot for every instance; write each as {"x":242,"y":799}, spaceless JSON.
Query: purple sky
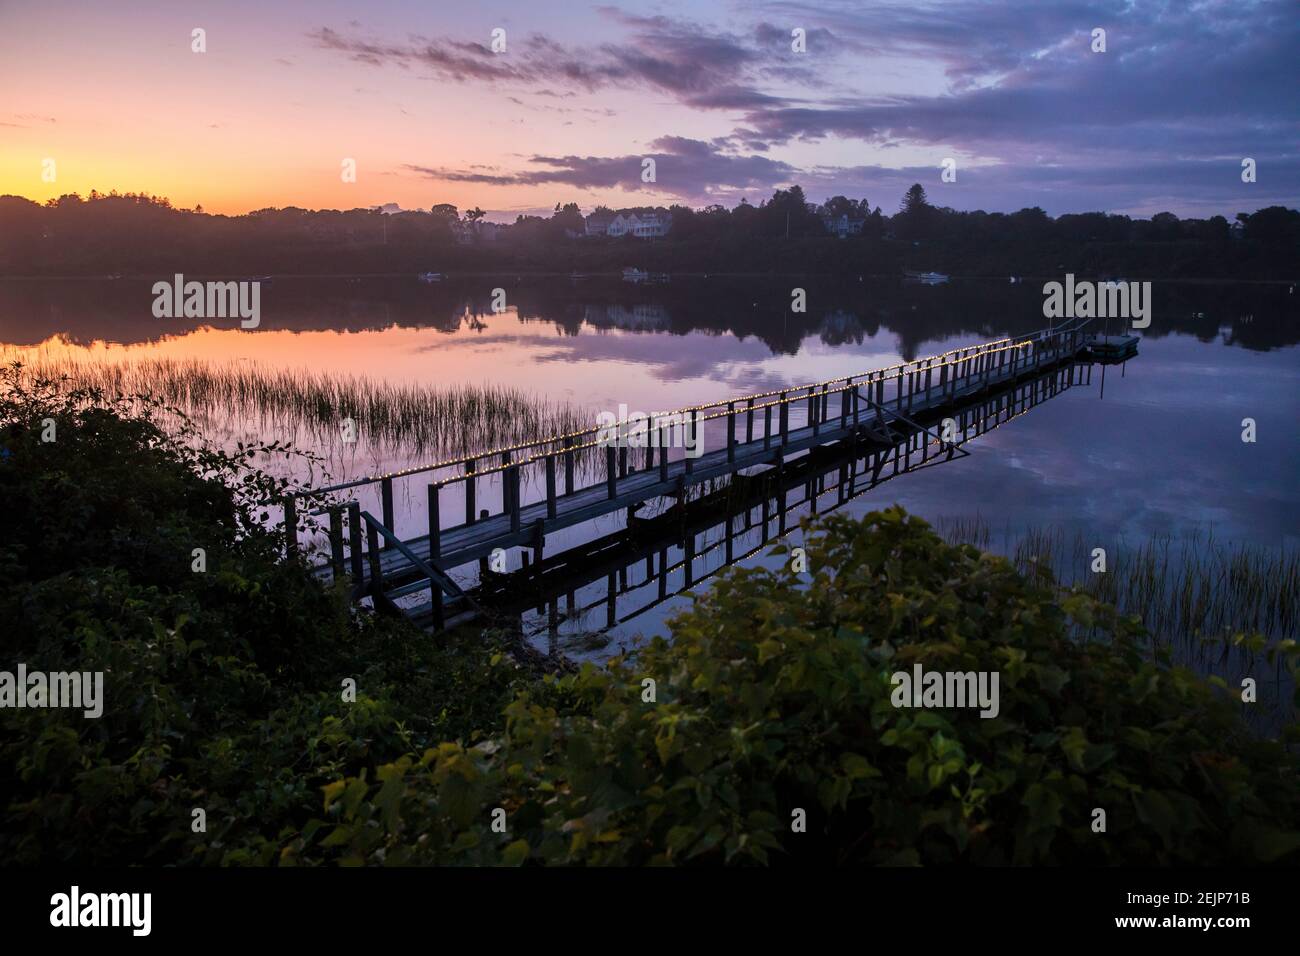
{"x":1012,"y":90}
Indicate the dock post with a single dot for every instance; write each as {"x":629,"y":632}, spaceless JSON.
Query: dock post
{"x":731,"y":431}
{"x":749,"y":421}
{"x":290,"y":527}
{"x":435,"y":523}
{"x":550,"y":486}
{"x":767,"y":426}
{"x":354,"y":536}
{"x":386,"y":492}
{"x":611,"y":473}
{"x":506,"y":504}
{"x":695,"y":439}
{"x":539,"y":541}
{"x":376,"y":569}
{"x":785,"y":420}
{"x":663,"y":453}
{"x":435,"y":599}
{"x":516,"y":506}
{"x":780,"y":497}
{"x":568,"y":466}
{"x":435,"y":552}
{"x":650,"y":444}
{"x":813,"y":403}
{"x":844,"y":405}
{"x":622,"y":461}
{"x":336,"y":540}
{"x":470,"y":484}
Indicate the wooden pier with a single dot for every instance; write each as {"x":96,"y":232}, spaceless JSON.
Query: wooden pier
{"x":745,"y":437}
{"x":615,"y":577}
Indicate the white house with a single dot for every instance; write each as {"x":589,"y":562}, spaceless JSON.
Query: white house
{"x":649,"y":225}
{"x":843,"y":226}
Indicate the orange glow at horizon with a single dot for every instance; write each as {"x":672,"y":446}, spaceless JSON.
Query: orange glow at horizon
{"x":265,"y":117}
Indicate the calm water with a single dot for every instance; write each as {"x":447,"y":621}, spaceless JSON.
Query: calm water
{"x":1153,"y":447}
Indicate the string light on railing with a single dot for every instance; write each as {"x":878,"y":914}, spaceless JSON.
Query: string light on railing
{"x":877,"y":376}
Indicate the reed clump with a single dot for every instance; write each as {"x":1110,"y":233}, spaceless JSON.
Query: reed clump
{"x":442,"y":422}
{"x":1182,"y":587}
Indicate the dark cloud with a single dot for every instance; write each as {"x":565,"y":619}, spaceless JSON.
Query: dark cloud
{"x":684,"y":168}
{"x":707,"y":70}
{"x":1174,"y":77}
{"x":1182,"y":93}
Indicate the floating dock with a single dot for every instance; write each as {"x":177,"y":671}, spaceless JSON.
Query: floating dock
{"x":1111,"y":348}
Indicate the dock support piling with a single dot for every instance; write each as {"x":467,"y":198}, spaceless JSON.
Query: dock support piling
{"x":471,"y":483}
{"x":290,"y":527}
{"x":731,"y":431}
{"x":550,"y":486}
{"x":376,"y":569}
{"x":354,"y":536}
{"x":516,"y":506}
{"x":435,"y":523}
{"x":386,"y":493}
{"x":336,"y":540}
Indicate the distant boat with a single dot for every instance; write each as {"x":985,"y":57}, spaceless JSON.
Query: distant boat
{"x":1014,"y":280}
{"x":926,"y":278}
{"x":430,"y":277}
{"x":635,"y":275}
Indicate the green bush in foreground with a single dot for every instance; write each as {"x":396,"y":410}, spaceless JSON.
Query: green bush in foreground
{"x":223,"y":689}
{"x":775,"y":695}
{"x":223,"y":693}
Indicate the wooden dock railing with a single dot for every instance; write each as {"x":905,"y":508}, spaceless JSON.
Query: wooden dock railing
{"x":751,"y":435}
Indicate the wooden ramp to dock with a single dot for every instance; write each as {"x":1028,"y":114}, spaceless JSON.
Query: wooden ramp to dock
{"x":747,"y":433}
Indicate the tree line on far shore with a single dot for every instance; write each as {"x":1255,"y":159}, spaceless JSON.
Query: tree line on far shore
{"x":136,"y":233}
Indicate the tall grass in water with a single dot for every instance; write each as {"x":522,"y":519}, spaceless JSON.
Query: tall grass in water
{"x":1181,"y":587}
{"x":460,"y":419}
{"x":1193,"y":594}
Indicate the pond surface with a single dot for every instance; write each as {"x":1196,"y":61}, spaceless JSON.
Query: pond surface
{"x":1153,"y":447}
